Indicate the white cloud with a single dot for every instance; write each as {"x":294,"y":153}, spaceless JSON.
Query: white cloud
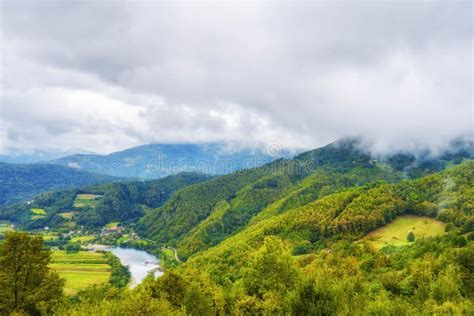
{"x":108,"y":75}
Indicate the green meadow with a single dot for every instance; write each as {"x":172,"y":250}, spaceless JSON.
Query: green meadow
{"x":112,"y":224}
{"x":50,"y":236}
{"x":82,"y":239}
{"x":83,"y":200}
{"x":396,"y":232}
{"x":67,"y":215}
{"x":37,"y":213}
{"x":4,"y":227}
{"x":80,"y":269}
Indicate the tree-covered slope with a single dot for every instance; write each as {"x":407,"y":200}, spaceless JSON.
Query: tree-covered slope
{"x":203,"y":215}
{"x":22,"y":181}
{"x":349,"y":215}
{"x":124,"y":202}
{"x":311,"y":260}
{"x":246,"y":192}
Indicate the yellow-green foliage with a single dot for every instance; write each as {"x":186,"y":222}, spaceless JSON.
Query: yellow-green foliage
{"x":395,"y":233}
{"x":82,"y":239}
{"x":302,"y":256}
{"x":112,"y":224}
{"x":38,"y":211}
{"x":4,"y":227}
{"x":348,"y":215}
{"x":50,"y":236}
{"x":80,"y":269}
{"x":267,"y":197}
{"x":167,"y":258}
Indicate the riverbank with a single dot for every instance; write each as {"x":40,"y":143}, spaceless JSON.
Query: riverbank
{"x":139,"y":262}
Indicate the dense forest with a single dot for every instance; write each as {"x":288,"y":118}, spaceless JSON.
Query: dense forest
{"x":201,"y":216}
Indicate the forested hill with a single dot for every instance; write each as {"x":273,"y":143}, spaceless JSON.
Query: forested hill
{"x":203,"y":215}
{"x":308,"y":253}
{"x":23,"y":181}
{"x":123,"y":202}
{"x":349,"y":215}
{"x":293,"y":237}
{"x":158,"y":160}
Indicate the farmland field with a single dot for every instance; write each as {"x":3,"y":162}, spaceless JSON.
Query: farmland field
{"x":112,"y":224}
{"x":67,"y":215}
{"x":396,"y":232}
{"x":50,"y":236}
{"x":80,"y":269}
{"x":83,"y":200}
{"x":37,"y":213}
{"x":82,"y":239}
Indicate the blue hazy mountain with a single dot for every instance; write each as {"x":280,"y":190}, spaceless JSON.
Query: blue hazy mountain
{"x":22,"y":181}
{"x":35,"y":156}
{"x":158,"y":160}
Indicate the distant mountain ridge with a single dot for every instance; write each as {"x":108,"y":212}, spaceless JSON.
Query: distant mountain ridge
{"x":22,"y":181}
{"x":158,"y":160}
{"x":37,"y":156}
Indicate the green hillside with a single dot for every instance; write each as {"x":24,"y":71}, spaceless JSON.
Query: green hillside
{"x":97,"y":205}
{"x":325,"y":233}
{"x":396,"y":233}
{"x":350,"y":215}
{"x":203,"y":215}
{"x":312,"y":258}
{"x":195,"y":219}
{"x":20,"y":182}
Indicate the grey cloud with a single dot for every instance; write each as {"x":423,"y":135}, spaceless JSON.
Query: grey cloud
{"x":298,"y":73}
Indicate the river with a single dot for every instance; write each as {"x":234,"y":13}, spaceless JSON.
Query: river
{"x":139,"y":262}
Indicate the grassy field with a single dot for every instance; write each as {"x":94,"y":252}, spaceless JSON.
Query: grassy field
{"x":33,"y":217}
{"x":50,"y":236}
{"x":4,"y":227}
{"x":82,"y":239}
{"x":396,"y":232}
{"x":112,"y":224}
{"x":37,"y":213}
{"x":67,"y":215}
{"x":80,"y":269}
{"x":83,"y":200}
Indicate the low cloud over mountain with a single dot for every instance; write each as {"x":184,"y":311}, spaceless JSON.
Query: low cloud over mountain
{"x":105,"y":76}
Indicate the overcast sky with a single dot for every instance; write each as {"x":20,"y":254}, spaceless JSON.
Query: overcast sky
{"x":107,"y":75}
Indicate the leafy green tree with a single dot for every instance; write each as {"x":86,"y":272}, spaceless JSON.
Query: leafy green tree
{"x":171,"y":287}
{"x":196,"y":302}
{"x":272,"y":269}
{"x":411,"y":236}
{"x":26,"y":283}
{"x":311,"y":298}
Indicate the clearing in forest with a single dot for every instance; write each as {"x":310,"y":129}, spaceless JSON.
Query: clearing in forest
{"x":83,"y":200}
{"x":396,"y":232}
